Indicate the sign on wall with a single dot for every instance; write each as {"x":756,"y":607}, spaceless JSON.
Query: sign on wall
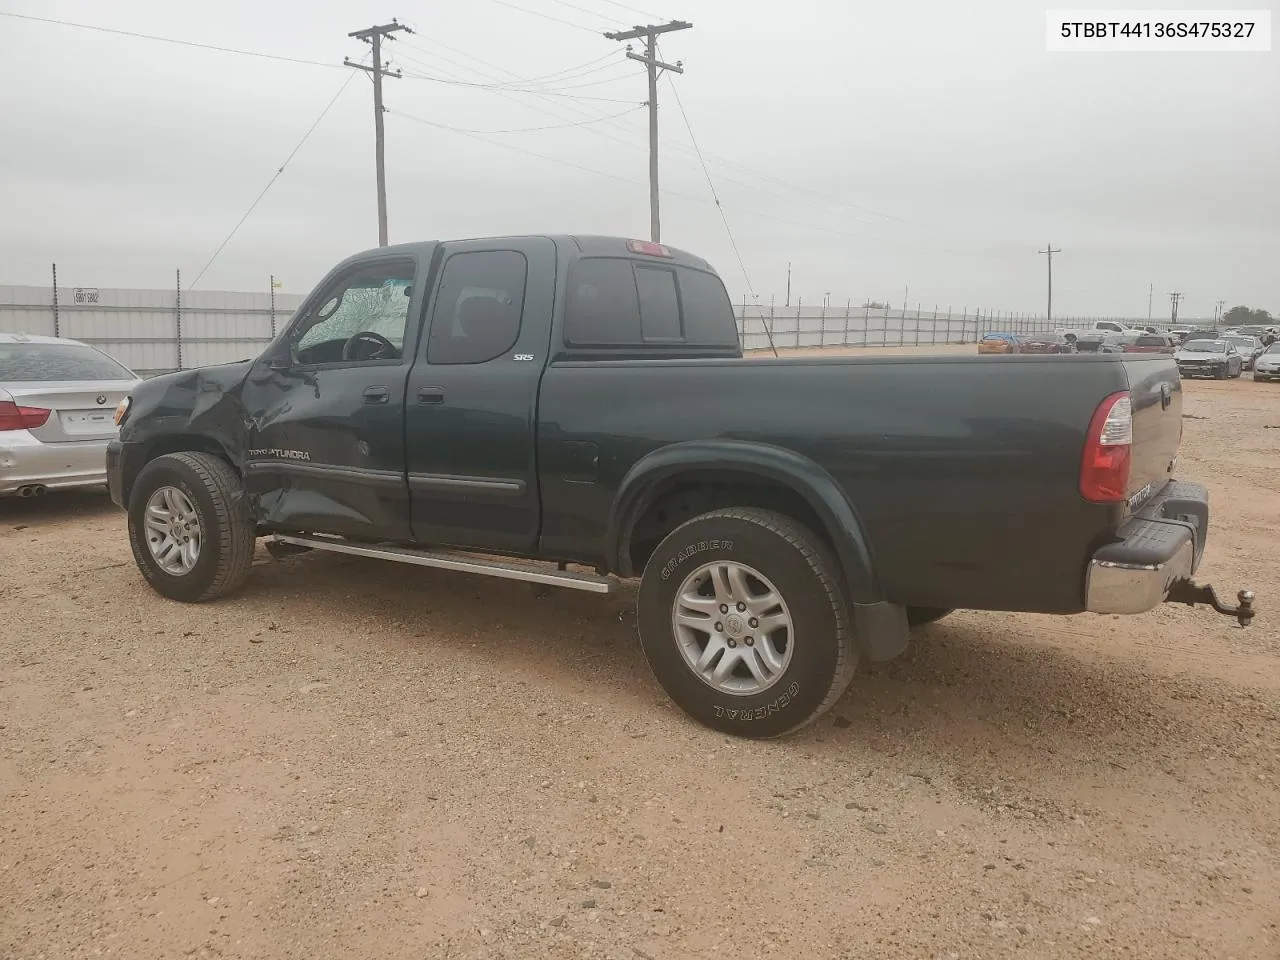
{"x":84,"y":295}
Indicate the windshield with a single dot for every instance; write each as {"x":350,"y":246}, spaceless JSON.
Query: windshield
{"x":1274,"y":348}
{"x":29,"y":362}
{"x":1206,"y":346}
{"x":1151,"y":342}
{"x":1243,"y":343}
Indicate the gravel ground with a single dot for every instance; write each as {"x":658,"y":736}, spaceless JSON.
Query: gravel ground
{"x":359,"y":759}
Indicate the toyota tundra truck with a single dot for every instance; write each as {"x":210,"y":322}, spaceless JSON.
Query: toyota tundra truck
{"x":577,"y":411}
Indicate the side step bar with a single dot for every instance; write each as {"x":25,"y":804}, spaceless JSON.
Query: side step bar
{"x":455,"y":560}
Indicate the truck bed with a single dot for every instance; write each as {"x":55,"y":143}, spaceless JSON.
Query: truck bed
{"x":959,"y":468}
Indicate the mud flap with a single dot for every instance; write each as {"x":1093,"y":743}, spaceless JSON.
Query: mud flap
{"x":881,"y":629}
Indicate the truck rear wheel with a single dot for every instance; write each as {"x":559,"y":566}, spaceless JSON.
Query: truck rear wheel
{"x":744,"y":622}
{"x":189,"y":527}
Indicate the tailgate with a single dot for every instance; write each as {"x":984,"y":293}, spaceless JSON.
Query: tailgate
{"x":1156,"y":392}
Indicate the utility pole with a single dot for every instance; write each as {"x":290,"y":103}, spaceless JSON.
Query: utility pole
{"x":1217,"y":310}
{"x":650,"y":59}
{"x":1049,"y":251}
{"x":788,"y":283}
{"x":374,"y":36}
{"x":1174,"y":299}
{"x":1151,"y":289}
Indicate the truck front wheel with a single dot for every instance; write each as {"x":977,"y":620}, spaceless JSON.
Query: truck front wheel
{"x":189,"y":527}
{"x":744,"y":622}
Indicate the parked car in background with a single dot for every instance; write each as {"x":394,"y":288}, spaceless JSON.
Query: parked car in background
{"x":1209,"y":358}
{"x":57,"y":404}
{"x":1267,"y":366}
{"x":1152,"y":343}
{"x":1180,"y":333}
{"x":1250,"y":348}
{"x":1101,"y":341}
{"x":1122,"y":330}
{"x":999,"y":343}
{"x":1045,"y":343}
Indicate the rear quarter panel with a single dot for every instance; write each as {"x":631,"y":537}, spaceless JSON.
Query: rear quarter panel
{"x":964,"y":471}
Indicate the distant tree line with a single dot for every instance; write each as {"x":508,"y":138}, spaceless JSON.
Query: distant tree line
{"x":1247,"y":317}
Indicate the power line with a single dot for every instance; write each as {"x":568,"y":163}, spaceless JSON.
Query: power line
{"x":181,"y":43}
{"x":594,"y":13}
{"x":487,"y":86}
{"x":544,"y":16}
{"x":755,"y":299}
{"x":623,"y":6}
{"x":513,"y":87}
{"x":552,"y":126}
{"x":568,"y":73}
{"x":513,"y":148}
{"x":274,"y":177}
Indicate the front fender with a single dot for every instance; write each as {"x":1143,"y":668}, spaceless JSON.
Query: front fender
{"x":776,"y":464}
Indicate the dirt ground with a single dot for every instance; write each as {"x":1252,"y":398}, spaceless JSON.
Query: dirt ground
{"x":356,"y":759}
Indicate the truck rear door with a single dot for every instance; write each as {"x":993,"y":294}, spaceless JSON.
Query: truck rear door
{"x":472,"y":398}
{"x":1156,"y":396}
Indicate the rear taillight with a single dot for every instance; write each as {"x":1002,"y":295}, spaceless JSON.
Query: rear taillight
{"x":14,"y":417}
{"x":1108,"y":451}
{"x":648,"y":248}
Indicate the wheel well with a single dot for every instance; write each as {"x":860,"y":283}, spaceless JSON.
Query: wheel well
{"x":685,"y":496}
{"x":177,"y":443}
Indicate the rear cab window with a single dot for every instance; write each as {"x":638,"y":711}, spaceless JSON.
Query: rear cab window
{"x":45,"y":362}
{"x":622,"y":302}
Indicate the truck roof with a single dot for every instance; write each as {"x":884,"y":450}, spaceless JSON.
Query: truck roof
{"x":591,"y":245}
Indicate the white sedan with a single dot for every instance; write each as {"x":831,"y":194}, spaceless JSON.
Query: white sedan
{"x":57,"y":405}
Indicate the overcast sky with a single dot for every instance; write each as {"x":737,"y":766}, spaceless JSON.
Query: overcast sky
{"x":918,"y":148}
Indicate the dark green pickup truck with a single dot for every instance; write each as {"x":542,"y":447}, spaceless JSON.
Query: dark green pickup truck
{"x":580,"y":407}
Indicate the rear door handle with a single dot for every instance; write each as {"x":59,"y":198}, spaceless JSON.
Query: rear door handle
{"x":431,"y":394}
{"x":376,"y":395}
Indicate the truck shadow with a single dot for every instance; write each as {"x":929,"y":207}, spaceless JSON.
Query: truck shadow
{"x":54,"y":507}
{"x":971,"y":699}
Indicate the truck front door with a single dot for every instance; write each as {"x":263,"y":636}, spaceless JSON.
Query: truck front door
{"x":326,"y":406}
{"x":472,"y":399}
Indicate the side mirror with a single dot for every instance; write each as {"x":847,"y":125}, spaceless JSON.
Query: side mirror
{"x":281,"y":361}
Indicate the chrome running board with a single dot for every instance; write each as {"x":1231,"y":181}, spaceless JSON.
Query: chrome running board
{"x":456,"y":560}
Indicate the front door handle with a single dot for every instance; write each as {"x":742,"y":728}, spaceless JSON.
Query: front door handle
{"x":431,"y":394}
{"x":376,"y":395}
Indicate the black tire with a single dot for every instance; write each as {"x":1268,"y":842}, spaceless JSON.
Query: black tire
{"x":227,"y":534}
{"x":802,"y":570}
{"x":920,"y":616}
{"x":1220,"y":374}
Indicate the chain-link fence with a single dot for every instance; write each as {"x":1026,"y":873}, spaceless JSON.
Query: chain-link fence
{"x":876,"y":325}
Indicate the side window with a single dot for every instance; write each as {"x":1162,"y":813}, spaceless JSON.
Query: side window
{"x":360,"y":317}
{"x":602,"y":306}
{"x":708,"y":314}
{"x":659,"y":303}
{"x":478,"y":307}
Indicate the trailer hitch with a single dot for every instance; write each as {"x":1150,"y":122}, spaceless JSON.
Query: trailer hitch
{"x":1191,"y":593}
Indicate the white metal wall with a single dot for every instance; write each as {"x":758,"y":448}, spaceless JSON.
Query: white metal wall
{"x":140,"y":328}
{"x":145,"y":329}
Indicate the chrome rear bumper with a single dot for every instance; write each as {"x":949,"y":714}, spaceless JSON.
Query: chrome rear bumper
{"x":1158,"y":546}
{"x":1113,"y":586}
